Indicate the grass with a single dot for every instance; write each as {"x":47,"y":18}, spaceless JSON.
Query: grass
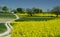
{"x":35,"y":18}
{"x":2,"y":27}
{"x":7,"y":15}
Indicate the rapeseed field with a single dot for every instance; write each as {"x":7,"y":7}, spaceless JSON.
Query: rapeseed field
{"x":50,"y":28}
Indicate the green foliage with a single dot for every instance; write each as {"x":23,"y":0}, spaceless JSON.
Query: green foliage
{"x":20,"y":10}
{"x":29,"y":11}
{"x":33,"y":11}
{"x":14,"y":11}
{"x":56,"y":10}
{"x":37,"y":10}
{"x":0,"y":8}
{"x":5,"y":8}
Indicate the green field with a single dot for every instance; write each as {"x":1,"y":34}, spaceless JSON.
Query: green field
{"x":7,"y":15}
{"x":2,"y":27}
{"x":35,"y":18}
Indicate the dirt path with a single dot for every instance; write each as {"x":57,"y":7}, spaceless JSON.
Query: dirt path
{"x":9,"y":27}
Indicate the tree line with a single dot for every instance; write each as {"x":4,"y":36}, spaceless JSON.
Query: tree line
{"x":31,"y":11}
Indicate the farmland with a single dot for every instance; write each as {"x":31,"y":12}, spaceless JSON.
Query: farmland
{"x":2,"y":27}
{"x":35,"y":18}
{"x":7,"y":15}
{"x":36,"y":26}
{"x":29,"y":18}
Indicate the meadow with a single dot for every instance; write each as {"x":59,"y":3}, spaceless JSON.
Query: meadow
{"x":36,"y":26}
{"x":7,"y":15}
{"x":2,"y":27}
{"x":35,"y":19}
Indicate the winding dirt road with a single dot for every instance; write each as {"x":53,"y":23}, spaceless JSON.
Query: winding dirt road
{"x":9,"y":27}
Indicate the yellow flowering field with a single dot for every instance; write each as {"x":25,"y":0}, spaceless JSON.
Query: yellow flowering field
{"x":49,"y":28}
{"x":41,"y":14}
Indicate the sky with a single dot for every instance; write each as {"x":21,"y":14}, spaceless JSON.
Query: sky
{"x":42,"y":4}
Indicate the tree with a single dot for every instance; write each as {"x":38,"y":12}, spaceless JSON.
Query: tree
{"x":29,"y":11}
{"x":14,"y":11}
{"x":5,"y":9}
{"x":40,"y":11}
{"x":56,"y":10}
{"x":20,"y":10}
{"x":0,"y":8}
{"x":37,"y":10}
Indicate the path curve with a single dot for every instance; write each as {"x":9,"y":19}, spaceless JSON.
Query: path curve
{"x":9,"y":27}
